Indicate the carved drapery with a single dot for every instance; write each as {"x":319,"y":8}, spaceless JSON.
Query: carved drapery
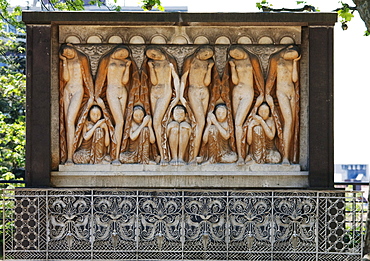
{"x":258,"y":85}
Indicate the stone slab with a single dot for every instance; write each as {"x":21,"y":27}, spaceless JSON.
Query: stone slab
{"x":180,"y":18}
{"x":154,"y":176}
{"x":125,"y":168}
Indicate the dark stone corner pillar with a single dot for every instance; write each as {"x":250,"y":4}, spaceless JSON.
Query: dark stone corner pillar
{"x":38,"y":152}
{"x":321,"y":127}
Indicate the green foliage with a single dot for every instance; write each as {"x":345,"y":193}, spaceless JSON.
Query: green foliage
{"x":263,"y":4}
{"x":12,"y":93}
{"x":100,"y":3}
{"x":345,"y":13}
{"x":148,"y":5}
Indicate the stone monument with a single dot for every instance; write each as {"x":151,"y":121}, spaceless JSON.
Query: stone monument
{"x":191,"y":101}
{"x":179,"y":136}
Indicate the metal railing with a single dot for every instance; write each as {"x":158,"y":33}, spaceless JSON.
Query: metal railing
{"x":121,"y":224}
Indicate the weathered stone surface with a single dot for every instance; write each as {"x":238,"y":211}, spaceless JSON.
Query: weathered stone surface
{"x":210,"y":176}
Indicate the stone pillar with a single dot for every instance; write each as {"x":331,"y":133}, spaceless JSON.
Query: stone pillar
{"x":38,"y":132}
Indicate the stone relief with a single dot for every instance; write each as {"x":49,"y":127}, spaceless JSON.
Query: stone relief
{"x":283,"y":78}
{"x":76,"y":97}
{"x":233,"y":105}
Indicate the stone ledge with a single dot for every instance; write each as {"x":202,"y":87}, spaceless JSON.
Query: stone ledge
{"x":177,"y":179}
{"x":180,"y":18}
{"x":180,"y":170}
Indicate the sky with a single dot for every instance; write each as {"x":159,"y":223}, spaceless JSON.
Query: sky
{"x":351,"y":71}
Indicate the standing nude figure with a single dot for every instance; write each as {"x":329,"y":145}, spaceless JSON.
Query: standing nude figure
{"x":246,"y":79}
{"x":283,"y":70}
{"x":160,"y":74}
{"x":197,"y":75}
{"x":75,"y":82}
{"x":113,"y":78}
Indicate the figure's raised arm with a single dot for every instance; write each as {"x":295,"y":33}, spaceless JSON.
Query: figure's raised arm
{"x":208,"y":76}
{"x":152,"y":73}
{"x":184,"y":78}
{"x":126,"y":74}
{"x":176,"y":79}
{"x":271,"y":79}
{"x":295,"y":73}
{"x":65,"y":72}
{"x":234,"y":73}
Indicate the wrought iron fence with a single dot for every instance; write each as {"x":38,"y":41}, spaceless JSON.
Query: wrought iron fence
{"x":119,"y":224}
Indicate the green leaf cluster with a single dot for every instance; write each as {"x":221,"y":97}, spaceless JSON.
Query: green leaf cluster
{"x":345,"y":13}
{"x":12,"y":93}
{"x":148,"y":5}
{"x":263,"y":4}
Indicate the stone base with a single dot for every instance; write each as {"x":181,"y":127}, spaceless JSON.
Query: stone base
{"x":154,"y":176}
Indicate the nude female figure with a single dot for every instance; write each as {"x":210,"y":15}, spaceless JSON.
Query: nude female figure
{"x":162,"y":76}
{"x":283,"y":70}
{"x":75,"y":81}
{"x":246,"y":78}
{"x":114,"y":75}
{"x":197,"y":75}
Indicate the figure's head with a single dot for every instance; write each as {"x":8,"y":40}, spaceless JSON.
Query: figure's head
{"x":120,"y":53}
{"x":95,"y":113}
{"x":155,"y":53}
{"x":204,"y":53}
{"x":221,"y":112}
{"x":138,"y":114}
{"x":68,"y":51}
{"x":179,"y":113}
{"x":238,"y":52}
{"x":264,"y":111}
{"x":291,"y":52}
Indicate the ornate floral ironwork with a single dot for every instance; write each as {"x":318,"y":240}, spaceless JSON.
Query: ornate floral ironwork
{"x":181,"y":225}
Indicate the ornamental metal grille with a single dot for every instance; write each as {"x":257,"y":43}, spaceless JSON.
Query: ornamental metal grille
{"x":118,"y":224}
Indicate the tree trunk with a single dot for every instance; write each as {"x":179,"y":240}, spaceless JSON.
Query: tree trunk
{"x":363,"y":7}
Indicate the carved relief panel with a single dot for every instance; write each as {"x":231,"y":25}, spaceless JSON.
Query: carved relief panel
{"x":161,"y":100}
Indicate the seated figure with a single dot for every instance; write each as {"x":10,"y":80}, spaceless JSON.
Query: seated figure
{"x":216,"y":135}
{"x":141,"y":136}
{"x":95,"y":140}
{"x":178,"y":132}
{"x":261,"y":136}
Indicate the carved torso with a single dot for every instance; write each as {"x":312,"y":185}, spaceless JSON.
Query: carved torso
{"x":284,"y":83}
{"x":74,"y":83}
{"x":115,"y":68}
{"x":245,"y":73}
{"x":197,"y":73}
{"x":163,"y":74}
